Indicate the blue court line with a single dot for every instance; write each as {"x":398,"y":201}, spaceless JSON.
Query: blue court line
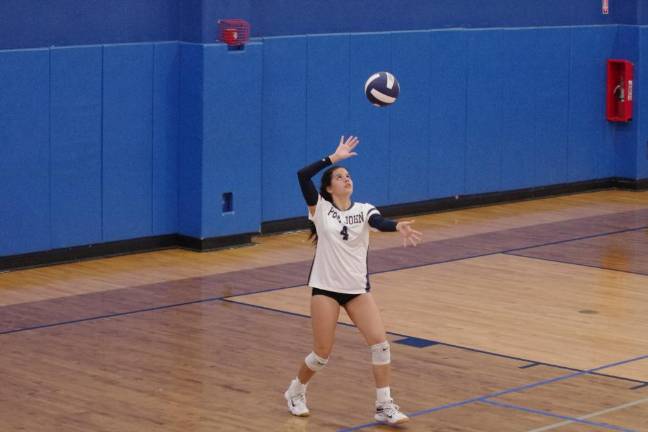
{"x":226,"y":299}
{"x":502,"y":392}
{"x":562,"y":417}
{"x":587,"y":237}
{"x":507,"y":251}
{"x":464,"y":348}
{"x":112,"y":315}
{"x":209,"y":299}
{"x":485,"y":254}
{"x":574,"y":263}
{"x":131,"y":312}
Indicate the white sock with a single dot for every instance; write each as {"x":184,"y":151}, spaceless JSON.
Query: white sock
{"x":382,"y":394}
{"x":296,"y":387}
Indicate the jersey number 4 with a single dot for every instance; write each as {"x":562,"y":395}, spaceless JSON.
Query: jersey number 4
{"x":344,"y":233}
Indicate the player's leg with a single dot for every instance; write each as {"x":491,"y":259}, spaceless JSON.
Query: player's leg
{"x":324,"y":315}
{"x":365,"y":314}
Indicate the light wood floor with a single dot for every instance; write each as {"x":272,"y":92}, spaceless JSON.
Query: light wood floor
{"x":523,"y":300}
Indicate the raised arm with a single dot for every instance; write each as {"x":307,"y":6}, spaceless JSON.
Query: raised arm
{"x":306,"y":184}
{"x":343,"y":151}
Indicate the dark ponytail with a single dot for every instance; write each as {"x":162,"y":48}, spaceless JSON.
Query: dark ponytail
{"x":325,"y":182}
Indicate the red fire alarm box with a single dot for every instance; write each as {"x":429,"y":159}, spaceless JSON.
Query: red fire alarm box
{"x":619,"y":90}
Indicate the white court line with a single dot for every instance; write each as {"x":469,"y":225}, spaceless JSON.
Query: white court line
{"x":616,"y":408}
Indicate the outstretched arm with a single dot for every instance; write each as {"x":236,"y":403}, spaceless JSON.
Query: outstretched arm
{"x":380,"y":223}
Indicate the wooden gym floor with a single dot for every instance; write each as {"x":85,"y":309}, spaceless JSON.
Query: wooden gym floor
{"x":530,"y":316}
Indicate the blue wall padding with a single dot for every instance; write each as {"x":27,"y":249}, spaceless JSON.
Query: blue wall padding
{"x":284,"y":126}
{"x":166,"y":120}
{"x":24,"y":152}
{"x":484,"y":121}
{"x":590,"y":144}
{"x":127,"y":141}
{"x":327,"y":110}
{"x":627,"y":144}
{"x":641,"y":105}
{"x":115,"y":142}
{"x":368,"y":53}
{"x":232,"y":139}
{"x":76,"y":145}
{"x":549,"y":89}
{"x":190,"y":144}
{"x":518,"y":109}
{"x":409,"y":133}
{"x":447,"y":114}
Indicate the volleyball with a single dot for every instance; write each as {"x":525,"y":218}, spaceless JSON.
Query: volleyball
{"x":382,"y":89}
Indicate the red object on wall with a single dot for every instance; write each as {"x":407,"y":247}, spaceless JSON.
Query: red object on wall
{"x":234,"y":32}
{"x":619,"y":90}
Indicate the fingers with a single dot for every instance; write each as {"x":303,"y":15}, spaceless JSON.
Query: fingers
{"x":414,"y":240}
{"x":351,"y":142}
{"x":411,"y":236}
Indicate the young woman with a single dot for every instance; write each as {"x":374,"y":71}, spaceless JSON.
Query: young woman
{"x":339,"y":277}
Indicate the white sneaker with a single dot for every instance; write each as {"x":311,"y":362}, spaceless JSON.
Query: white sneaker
{"x":388,"y":413}
{"x":297,"y":404}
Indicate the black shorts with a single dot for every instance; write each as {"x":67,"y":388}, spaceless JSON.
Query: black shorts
{"x":341,"y":298}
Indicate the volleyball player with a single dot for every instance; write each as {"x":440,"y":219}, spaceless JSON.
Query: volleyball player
{"x":339,"y":277}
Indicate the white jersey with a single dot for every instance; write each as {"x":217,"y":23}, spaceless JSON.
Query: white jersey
{"x":340,"y":262}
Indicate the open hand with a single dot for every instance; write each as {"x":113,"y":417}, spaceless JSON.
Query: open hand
{"x":345,"y":149}
{"x":409,"y":234}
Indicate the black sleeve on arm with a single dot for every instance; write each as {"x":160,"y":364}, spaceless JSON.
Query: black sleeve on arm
{"x":381,"y":224}
{"x":307,"y":187}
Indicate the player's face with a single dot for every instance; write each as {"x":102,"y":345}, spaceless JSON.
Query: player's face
{"x":341,"y":183}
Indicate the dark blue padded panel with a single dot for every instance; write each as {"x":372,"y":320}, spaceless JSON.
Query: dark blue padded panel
{"x":518,"y":110}
{"x":589,"y":141}
{"x":127,"y":141}
{"x":368,"y":54}
{"x":629,"y":146}
{"x":284,"y":126}
{"x":231,"y":160}
{"x":448,"y":53}
{"x":551,"y":97}
{"x":76,"y":145}
{"x":409,"y":132}
{"x":24,"y":152}
{"x":327,"y":108}
{"x":191,"y":137}
{"x":484,"y":126}
{"x":166,"y":119}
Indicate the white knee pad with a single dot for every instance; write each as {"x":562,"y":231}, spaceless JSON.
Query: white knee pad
{"x":315,"y":362}
{"x":380,"y":353}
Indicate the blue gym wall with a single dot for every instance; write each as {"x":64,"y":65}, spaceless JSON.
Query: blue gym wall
{"x":114,"y":141}
{"x":44,"y":23}
{"x":39,"y":23}
{"x":290,"y":17}
{"x":88,"y":145}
